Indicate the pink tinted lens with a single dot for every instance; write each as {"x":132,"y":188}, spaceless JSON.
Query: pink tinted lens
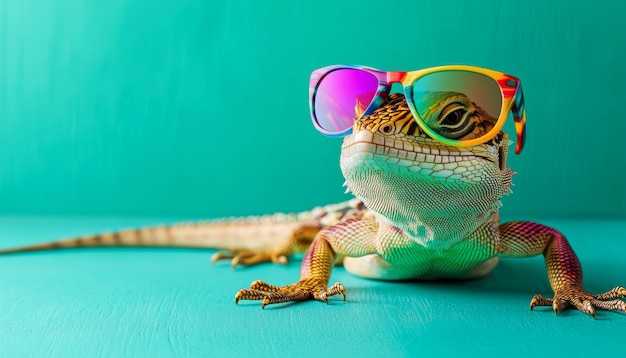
{"x":341,"y":97}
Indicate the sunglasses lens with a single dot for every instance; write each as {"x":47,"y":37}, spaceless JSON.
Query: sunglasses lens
{"x":458,"y":105}
{"x":341,"y":97}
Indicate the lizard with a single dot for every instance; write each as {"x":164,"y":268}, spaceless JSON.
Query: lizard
{"x":422,"y":210}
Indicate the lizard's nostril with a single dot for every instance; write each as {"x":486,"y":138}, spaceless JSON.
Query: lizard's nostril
{"x":387,"y":128}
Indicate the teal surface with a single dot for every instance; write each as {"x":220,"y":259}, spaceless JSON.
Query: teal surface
{"x":172,"y":303}
{"x":197,"y":108}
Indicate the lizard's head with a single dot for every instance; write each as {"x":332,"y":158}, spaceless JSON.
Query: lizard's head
{"x":403,"y":174}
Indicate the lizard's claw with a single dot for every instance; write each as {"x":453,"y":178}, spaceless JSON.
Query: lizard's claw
{"x":583,"y":301}
{"x":249,"y":257}
{"x":299,"y":291}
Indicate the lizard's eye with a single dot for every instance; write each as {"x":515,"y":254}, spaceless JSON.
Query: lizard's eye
{"x":454,"y":117}
{"x":449,"y":114}
{"x":455,"y":121}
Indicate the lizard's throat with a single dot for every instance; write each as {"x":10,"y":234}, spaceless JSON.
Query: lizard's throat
{"x":434,"y":210}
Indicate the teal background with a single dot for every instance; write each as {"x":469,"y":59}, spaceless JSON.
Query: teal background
{"x":199,"y":108}
{"x":117,"y":114}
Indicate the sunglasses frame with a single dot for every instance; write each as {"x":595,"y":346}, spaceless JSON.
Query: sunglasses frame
{"x":510,"y":90}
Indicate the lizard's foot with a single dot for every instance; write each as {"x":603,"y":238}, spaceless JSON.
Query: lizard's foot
{"x":299,"y":291}
{"x":583,"y":301}
{"x":249,"y":257}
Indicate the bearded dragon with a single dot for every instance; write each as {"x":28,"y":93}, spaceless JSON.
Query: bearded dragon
{"x":423,"y":210}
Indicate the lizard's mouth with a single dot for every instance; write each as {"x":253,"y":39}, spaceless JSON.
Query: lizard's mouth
{"x":401,"y":152}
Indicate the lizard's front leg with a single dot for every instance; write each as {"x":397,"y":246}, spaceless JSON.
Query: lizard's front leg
{"x":350,"y":238}
{"x":523,"y":239}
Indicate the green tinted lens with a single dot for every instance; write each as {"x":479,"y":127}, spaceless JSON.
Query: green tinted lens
{"x":458,"y":105}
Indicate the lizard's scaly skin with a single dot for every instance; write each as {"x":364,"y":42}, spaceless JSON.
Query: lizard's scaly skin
{"x":434,"y":215}
{"x":247,"y":241}
{"x":422,"y":210}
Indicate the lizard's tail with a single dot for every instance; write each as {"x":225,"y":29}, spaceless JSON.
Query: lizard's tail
{"x":249,"y":233}
{"x":252,"y":233}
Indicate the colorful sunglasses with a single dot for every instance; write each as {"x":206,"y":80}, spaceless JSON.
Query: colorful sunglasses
{"x":443,"y":100}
